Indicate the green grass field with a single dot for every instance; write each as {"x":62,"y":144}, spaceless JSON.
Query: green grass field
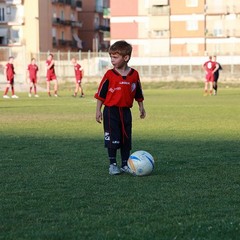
{"x":54,"y":169}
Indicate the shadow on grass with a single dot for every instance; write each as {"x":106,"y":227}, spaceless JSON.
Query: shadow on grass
{"x":56,"y":188}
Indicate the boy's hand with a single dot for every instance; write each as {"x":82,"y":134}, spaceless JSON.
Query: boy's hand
{"x":99,"y":116}
{"x":142,"y":113}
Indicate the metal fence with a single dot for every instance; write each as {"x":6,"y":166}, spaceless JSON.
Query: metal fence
{"x":168,"y":68}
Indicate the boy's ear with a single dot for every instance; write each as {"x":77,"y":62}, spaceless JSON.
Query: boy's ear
{"x":126,"y":58}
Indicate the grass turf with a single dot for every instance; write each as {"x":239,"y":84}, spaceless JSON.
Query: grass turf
{"x":54,"y":169}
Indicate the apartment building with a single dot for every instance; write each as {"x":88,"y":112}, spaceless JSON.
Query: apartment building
{"x":95,"y":25}
{"x":11,"y":21}
{"x":40,"y":25}
{"x":145,"y":24}
{"x":177,"y":27}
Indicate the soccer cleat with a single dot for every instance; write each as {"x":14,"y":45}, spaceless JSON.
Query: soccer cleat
{"x":114,"y":170}
{"x":125,"y":169}
{"x":6,"y":96}
{"x":14,"y":96}
{"x":36,"y":95}
{"x":55,"y":95}
{"x":30,"y":95}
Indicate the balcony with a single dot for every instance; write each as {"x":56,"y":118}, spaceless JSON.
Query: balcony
{"x":222,"y":33}
{"x":159,"y":10}
{"x":14,"y":2}
{"x":77,"y":24}
{"x":62,"y":43}
{"x":59,"y":21}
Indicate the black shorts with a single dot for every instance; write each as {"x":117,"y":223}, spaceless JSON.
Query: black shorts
{"x":117,"y":123}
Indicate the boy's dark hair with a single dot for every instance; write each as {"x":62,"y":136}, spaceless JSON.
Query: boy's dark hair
{"x":121,"y":47}
{"x":11,"y":57}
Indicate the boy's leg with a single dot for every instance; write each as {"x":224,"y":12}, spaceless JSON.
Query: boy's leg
{"x":210,"y":87}
{"x":12,"y":88}
{"x":126,"y":137}
{"x":81,"y":89}
{"x":76,"y":89}
{"x":112,"y":156}
{"x":6,"y":90}
{"x":48,"y":88}
{"x":55,"y":87}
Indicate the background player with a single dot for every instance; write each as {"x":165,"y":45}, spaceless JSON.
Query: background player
{"x":216,"y":75}
{"x":210,"y":68}
{"x":51,"y":76}
{"x":32,"y":70}
{"x":117,"y":91}
{"x":78,"y":76}
{"x":9,"y":74}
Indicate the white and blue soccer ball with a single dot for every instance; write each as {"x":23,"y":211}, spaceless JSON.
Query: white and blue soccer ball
{"x":141,"y":163}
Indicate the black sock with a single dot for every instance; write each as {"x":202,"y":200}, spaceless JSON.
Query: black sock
{"x":112,"y":155}
{"x":125,"y":153}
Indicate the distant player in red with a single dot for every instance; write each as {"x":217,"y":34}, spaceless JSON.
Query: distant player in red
{"x":51,"y":76}
{"x":117,"y":91}
{"x":78,"y":77}
{"x":9,"y":74}
{"x":209,"y":67}
{"x":32,"y":70}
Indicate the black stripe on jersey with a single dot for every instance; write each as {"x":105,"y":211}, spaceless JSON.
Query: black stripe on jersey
{"x":103,"y":91}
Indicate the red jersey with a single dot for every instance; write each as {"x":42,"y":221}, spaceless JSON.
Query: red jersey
{"x":32,"y":68}
{"x":51,"y":71}
{"x":120,"y":91}
{"x":209,"y":67}
{"x":9,"y":71}
{"x":78,"y":71}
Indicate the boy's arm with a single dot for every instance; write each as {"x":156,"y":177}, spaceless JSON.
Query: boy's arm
{"x":98,"y":111}
{"x":141,"y":110}
{"x":50,"y":65}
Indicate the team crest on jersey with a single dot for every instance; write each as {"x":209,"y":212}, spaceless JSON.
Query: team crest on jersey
{"x":133,"y":87}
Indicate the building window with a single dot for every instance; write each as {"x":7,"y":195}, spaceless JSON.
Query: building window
{"x":8,"y":10}
{"x":192,"y":3}
{"x":62,"y":15}
{"x":2,"y":15}
{"x":192,"y":25}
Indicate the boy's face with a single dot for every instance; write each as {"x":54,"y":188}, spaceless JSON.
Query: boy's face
{"x":73,"y":61}
{"x":50,"y":57}
{"x":118,"y":60}
{"x":33,"y":61}
{"x":10,"y":60}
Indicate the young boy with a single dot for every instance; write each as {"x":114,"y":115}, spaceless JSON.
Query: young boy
{"x":209,"y":67}
{"x":78,"y":76}
{"x":51,"y":76}
{"x":32,"y":70}
{"x":117,"y":91}
{"x":9,"y":74}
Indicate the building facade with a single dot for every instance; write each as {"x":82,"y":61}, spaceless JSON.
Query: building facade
{"x":177,"y":27}
{"x":95,"y":25}
{"x":40,"y":25}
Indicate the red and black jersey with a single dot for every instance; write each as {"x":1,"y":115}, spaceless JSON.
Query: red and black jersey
{"x":10,"y":71}
{"x":32,"y":68}
{"x":51,"y":70}
{"x":78,"y":71}
{"x":120,"y":91}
